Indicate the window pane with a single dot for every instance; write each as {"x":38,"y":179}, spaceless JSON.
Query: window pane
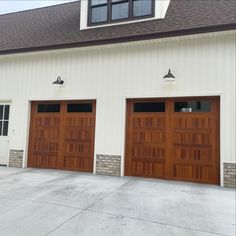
{"x":1,"y":122}
{"x":5,"y":128}
{"x":1,"y":112}
{"x":193,"y":106}
{"x":99,"y":14}
{"x":142,"y":7}
{"x":98,"y":2}
{"x":86,"y":107}
{"x":6,"y":113}
{"x":149,"y":107}
{"x":49,"y":108}
{"x":120,"y":11}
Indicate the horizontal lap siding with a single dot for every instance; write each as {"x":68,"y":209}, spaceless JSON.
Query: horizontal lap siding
{"x":202,"y":66}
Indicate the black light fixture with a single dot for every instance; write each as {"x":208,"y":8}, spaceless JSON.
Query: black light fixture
{"x":59,"y":81}
{"x":169,"y":76}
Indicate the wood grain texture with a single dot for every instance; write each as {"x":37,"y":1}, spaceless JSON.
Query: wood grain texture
{"x":173,"y":145}
{"x":62,"y":140}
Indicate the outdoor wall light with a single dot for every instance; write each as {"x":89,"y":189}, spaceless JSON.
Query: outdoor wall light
{"x":169,"y":76}
{"x":59,"y":81}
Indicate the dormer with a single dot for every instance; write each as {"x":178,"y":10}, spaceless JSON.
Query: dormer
{"x":101,"y":13}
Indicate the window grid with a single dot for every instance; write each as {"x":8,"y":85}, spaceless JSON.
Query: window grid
{"x":109,"y":4}
{"x":4,"y":120}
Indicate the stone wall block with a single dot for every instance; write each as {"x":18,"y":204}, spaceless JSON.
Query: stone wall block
{"x":108,"y":165}
{"x":16,"y":158}
{"x":230,"y":175}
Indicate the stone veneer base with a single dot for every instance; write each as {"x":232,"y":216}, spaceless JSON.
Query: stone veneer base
{"x":108,"y":165}
{"x":230,"y":175}
{"x":16,"y":158}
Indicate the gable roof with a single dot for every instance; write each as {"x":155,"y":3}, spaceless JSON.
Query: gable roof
{"x":59,"y":26}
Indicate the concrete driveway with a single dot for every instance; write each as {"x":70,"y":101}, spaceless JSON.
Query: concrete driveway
{"x":51,"y":202}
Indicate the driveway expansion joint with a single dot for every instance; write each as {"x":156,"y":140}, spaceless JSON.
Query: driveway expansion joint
{"x":155,"y":222}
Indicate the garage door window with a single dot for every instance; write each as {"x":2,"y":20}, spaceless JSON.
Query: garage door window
{"x":80,"y":107}
{"x":149,"y":107}
{"x":48,"y":108}
{"x":193,"y":106}
{"x":4,"y":119}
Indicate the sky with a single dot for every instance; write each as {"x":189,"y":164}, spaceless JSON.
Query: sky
{"x":18,"y":5}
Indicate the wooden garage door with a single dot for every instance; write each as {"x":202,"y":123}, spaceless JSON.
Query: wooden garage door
{"x":62,"y":135}
{"x":173,"y":139}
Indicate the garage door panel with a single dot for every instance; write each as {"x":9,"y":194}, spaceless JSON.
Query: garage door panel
{"x":159,"y":170}
{"x":191,"y":122}
{"x":48,"y":133}
{"x":183,"y":172}
{"x":147,"y":138}
{"x":83,"y":121}
{"x":194,"y":151}
{"x":159,"y":153}
{"x":142,"y":168}
{"x":47,"y":121}
{"x":61,"y":136}
{"x":193,"y":173}
{"x":156,"y":137}
{"x":148,"y":169}
{"x":77,"y":134}
{"x":45,"y":155}
{"x":79,"y":139}
{"x":74,"y":163}
{"x":44,"y":146}
{"x":148,"y":152}
{"x":71,"y":163}
{"x":79,"y":149}
{"x":46,"y":161}
{"x":181,"y":142}
{"x":192,"y":154}
{"x":196,"y":138}
{"x":148,"y":122}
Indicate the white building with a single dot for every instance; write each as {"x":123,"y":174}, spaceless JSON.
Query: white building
{"x":115,"y":113}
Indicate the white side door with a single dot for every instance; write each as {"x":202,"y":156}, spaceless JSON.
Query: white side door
{"x":4,"y":133}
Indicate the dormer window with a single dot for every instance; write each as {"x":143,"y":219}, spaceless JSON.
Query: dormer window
{"x":109,"y":11}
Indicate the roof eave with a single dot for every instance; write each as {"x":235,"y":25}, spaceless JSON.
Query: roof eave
{"x":167,"y":34}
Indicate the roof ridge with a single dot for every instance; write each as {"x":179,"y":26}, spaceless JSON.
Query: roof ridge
{"x":40,"y":8}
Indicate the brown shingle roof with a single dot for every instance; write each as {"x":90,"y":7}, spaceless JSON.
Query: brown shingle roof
{"x":59,"y":26}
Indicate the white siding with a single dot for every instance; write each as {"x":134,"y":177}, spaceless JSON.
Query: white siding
{"x":203,"y":65}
